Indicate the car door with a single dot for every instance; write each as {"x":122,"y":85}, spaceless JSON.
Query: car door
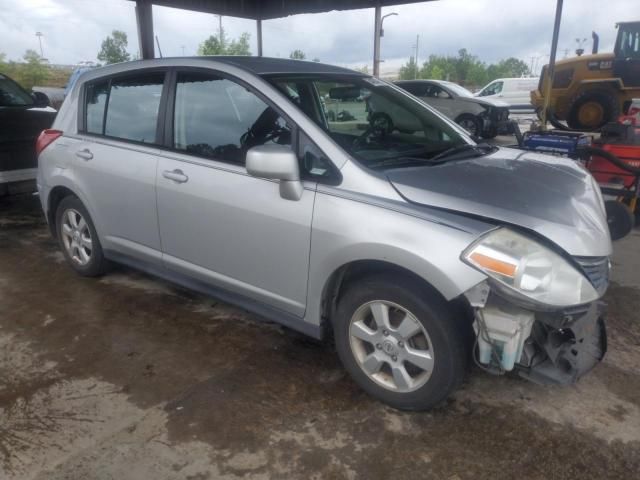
{"x":115,"y":162}
{"x":440,"y":99}
{"x":218,"y":225}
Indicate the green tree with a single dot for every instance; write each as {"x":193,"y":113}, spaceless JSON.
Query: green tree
{"x":509,"y":67}
{"x":409,"y":70}
{"x":362,"y":69}
{"x":114,"y":48}
{"x":297,"y":55}
{"x":219,"y":45}
{"x":33,"y":71}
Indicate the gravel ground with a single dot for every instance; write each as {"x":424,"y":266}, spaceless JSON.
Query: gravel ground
{"x":126,"y":377}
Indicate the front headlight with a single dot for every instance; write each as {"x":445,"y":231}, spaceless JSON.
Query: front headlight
{"x":530,"y":269}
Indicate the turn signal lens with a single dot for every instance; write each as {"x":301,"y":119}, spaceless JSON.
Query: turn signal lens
{"x":493,"y":264}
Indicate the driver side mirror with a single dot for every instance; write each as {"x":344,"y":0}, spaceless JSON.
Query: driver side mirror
{"x":277,"y":162}
{"x":40,"y":99}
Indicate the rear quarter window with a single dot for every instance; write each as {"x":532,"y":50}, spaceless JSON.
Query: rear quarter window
{"x":124,"y":108}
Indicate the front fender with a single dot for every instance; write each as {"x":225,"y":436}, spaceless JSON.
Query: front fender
{"x":345,"y":231}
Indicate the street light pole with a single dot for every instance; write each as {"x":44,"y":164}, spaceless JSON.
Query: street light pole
{"x":40,"y":35}
{"x":378,"y":32}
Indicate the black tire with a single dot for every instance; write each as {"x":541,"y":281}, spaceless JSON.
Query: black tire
{"x":448,"y":336}
{"x":97,"y":264}
{"x":491,"y":133}
{"x":471,"y":124}
{"x":381,"y":123}
{"x":605,"y":98}
{"x":620,"y":219}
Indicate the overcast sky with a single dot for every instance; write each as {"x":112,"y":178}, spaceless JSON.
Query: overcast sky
{"x":490,"y":29}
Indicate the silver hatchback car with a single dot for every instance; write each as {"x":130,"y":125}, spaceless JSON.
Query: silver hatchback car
{"x":264,"y":182}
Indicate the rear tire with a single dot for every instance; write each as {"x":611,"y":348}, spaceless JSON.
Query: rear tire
{"x":78,"y":238}
{"x":591,"y":109}
{"x":419,"y":324}
{"x":620,"y":219}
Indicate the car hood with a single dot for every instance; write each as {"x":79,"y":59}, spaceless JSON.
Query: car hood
{"x":552,"y":196}
{"x":487,"y":102}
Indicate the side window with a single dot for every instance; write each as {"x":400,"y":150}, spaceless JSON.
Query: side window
{"x":314,"y":165}
{"x":217,"y":118}
{"x":493,"y":89}
{"x":96,"y":98}
{"x":132,"y":111}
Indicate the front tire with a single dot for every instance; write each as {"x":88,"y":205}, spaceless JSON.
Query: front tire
{"x":400,"y":342}
{"x":591,"y":109}
{"x":470,"y":123}
{"x":78,"y":238}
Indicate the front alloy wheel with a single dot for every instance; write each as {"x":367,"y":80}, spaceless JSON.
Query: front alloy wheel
{"x":391,"y":347}
{"x":400,"y":340}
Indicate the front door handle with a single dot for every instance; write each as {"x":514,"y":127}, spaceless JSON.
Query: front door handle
{"x":176,"y":175}
{"x":84,"y":154}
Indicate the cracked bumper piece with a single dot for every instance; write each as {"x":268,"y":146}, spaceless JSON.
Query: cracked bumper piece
{"x":564,"y":346}
{"x":547,"y":347}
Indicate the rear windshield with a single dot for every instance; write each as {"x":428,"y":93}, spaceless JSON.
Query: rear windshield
{"x":12,"y":95}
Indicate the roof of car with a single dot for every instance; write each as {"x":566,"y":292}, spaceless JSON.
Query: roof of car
{"x":267,"y":65}
{"x":255,"y":65}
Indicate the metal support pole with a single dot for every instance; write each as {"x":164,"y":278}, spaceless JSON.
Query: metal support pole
{"x":144,"y":19}
{"x":376,"y":41}
{"x":552,"y":65}
{"x":259,"y":35}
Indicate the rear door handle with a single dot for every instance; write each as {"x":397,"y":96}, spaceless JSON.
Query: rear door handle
{"x":176,"y":175}
{"x":84,"y":154}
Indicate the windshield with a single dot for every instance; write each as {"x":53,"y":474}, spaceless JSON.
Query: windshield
{"x":457,"y":89}
{"x":376,"y":123}
{"x":12,"y":95}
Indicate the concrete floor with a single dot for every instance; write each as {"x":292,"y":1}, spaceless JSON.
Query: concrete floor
{"x":126,"y":377}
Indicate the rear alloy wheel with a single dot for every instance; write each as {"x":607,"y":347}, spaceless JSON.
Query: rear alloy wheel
{"x":470,"y":123}
{"x":400,"y":341}
{"x":78,"y":238}
{"x":592,"y":109}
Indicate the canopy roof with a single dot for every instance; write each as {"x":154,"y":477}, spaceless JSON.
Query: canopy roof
{"x":269,"y":9}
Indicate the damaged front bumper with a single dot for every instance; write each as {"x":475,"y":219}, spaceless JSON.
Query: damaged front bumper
{"x":548,"y":347}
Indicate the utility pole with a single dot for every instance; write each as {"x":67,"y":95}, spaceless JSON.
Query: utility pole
{"x":552,"y":65}
{"x":415,"y":73}
{"x":40,"y":35}
{"x":182,"y":47}
{"x":378,"y":32}
{"x":220,"y":31}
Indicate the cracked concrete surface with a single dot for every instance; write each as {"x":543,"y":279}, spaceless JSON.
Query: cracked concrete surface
{"x":128,"y":377}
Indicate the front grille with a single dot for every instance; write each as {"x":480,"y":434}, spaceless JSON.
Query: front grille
{"x":597,"y":271}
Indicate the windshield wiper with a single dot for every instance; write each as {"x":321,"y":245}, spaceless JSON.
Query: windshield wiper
{"x":463,"y":151}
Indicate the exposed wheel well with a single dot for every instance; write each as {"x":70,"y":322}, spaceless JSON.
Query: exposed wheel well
{"x":55,"y":197}
{"x":340,"y":280}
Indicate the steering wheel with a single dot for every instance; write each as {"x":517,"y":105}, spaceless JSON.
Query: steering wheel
{"x":263,"y":130}
{"x":379,"y":126}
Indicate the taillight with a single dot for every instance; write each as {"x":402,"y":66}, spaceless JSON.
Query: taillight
{"x":45,"y":138}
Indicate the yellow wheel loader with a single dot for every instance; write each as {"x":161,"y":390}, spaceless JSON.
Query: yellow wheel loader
{"x":591,"y":90}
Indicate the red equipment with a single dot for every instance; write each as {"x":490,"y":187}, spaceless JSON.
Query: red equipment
{"x":614,"y":161}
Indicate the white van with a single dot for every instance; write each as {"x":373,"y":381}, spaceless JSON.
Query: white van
{"x":514,"y":91}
